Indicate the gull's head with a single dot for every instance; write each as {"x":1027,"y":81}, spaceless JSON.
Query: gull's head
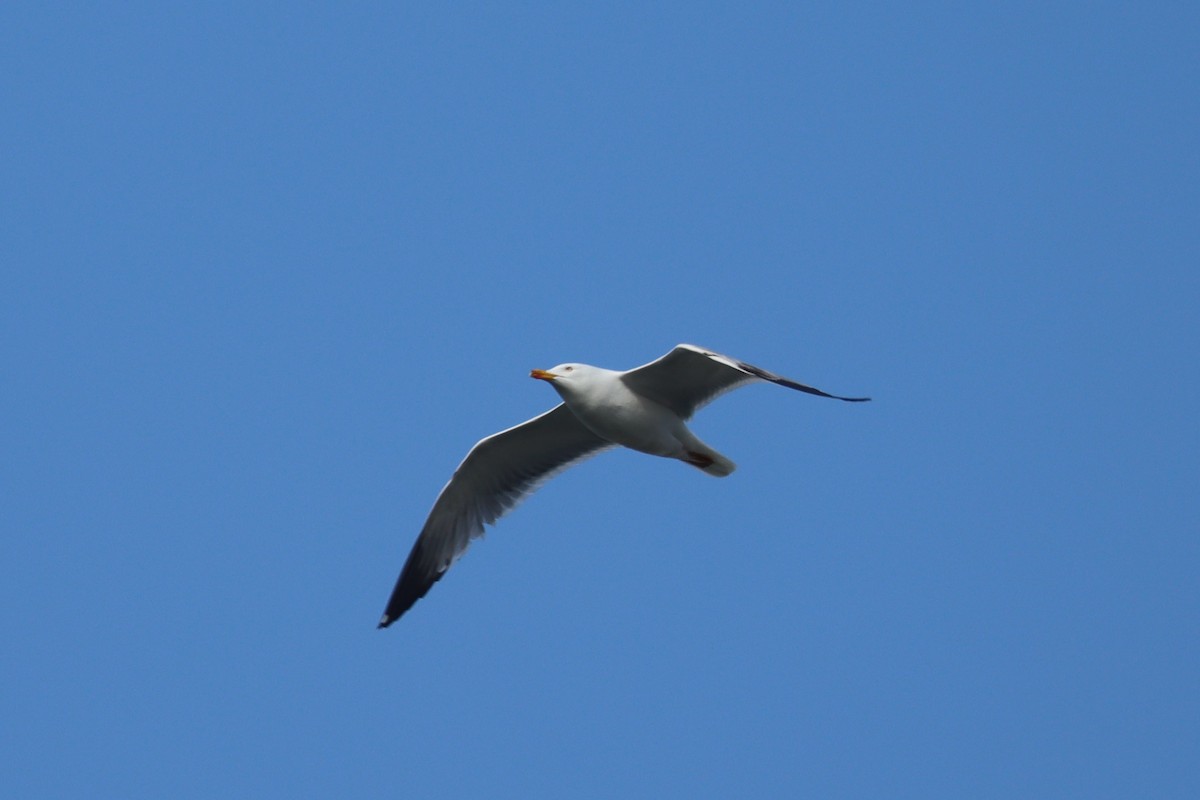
{"x":566,"y":377}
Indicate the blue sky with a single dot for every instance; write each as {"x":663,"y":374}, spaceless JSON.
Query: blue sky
{"x":270,"y":270}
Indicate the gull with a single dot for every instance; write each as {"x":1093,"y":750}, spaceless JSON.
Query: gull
{"x":644,"y":409}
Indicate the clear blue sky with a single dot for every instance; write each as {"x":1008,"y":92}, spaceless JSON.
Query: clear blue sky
{"x":269,"y":270}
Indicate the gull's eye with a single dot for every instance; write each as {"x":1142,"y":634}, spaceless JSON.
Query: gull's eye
{"x":567,"y":369}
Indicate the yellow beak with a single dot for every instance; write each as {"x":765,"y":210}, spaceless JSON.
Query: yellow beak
{"x":542,"y":375}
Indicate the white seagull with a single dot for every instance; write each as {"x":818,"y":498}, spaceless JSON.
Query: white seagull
{"x":644,"y":408}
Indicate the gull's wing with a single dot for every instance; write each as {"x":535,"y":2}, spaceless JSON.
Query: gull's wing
{"x":690,"y":377}
{"x":498,"y":473}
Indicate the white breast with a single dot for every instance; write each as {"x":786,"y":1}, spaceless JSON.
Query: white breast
{"x":610,"y":410}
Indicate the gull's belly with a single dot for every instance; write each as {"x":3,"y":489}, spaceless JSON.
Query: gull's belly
{"x":635,"y":422}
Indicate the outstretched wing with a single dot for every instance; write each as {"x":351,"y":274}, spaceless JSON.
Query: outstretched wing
{"x":690,"y":377}
{"x":497,"y":473}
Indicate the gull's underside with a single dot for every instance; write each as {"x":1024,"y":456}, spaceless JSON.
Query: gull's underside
{"x":507,"y":466}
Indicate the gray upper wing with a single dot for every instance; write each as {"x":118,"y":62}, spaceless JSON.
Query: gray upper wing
{"x":689,"y":377}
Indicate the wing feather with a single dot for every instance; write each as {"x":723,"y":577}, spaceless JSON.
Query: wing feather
{"x":497,"y":473}
{"x":689,"y":377}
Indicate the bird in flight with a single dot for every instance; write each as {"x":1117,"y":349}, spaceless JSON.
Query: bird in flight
{"x":644,"y":408}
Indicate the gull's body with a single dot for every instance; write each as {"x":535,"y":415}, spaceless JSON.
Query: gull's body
{"x":644,"y":409}
{"x":609,"y":408}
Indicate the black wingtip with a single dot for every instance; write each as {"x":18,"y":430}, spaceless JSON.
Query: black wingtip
{"x":759,"y":372}
{"x":813,"y":390}
{"x":415,"y":580}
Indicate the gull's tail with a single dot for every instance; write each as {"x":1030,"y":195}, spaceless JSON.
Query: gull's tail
{"x":710,"y":461}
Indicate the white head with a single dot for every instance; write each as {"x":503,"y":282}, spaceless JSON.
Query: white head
{"x":566,"y":378}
